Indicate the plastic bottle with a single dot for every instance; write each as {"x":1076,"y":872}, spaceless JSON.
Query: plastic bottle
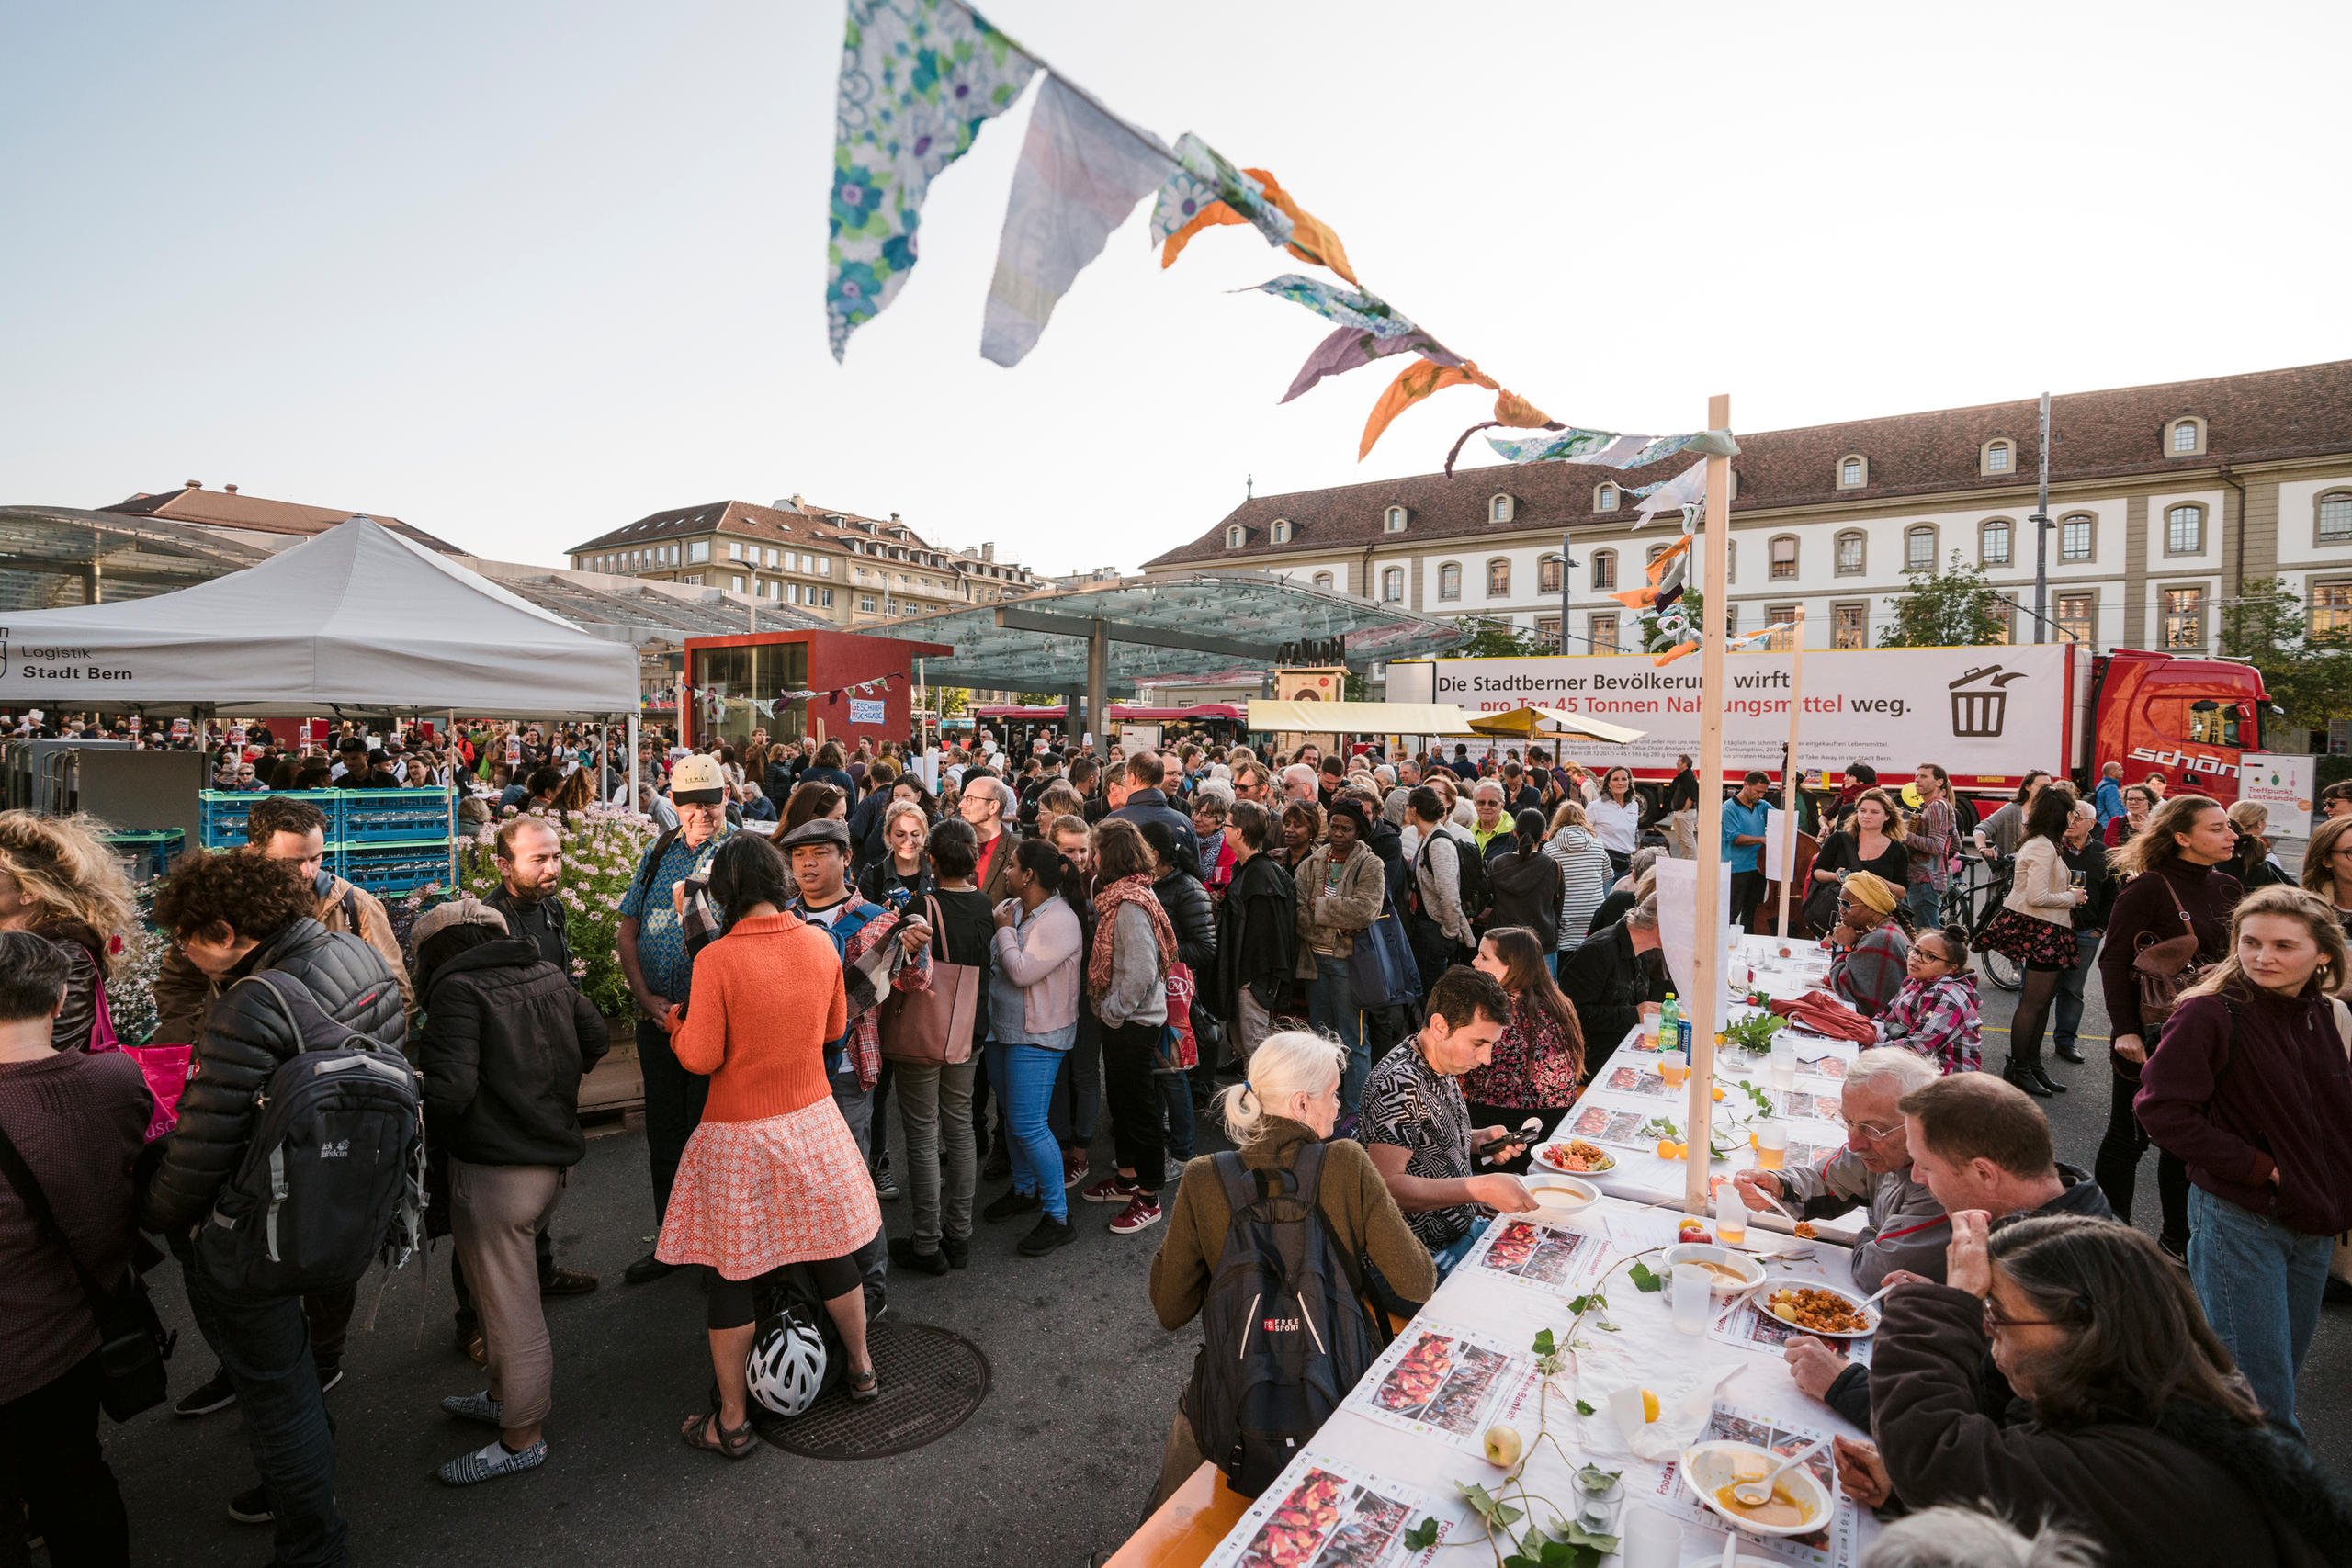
{"x":1668,"y":1012}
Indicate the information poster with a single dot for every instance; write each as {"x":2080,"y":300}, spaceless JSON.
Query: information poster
{"x":2285,"y":786}
{"x":1534,"y":1254}
{"x":1328,"y":1513}
{"x":1832,"y":1545}
{"x":1444,"y":1382}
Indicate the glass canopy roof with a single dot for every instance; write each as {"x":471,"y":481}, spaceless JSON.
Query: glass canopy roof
{"x":46,"y":554}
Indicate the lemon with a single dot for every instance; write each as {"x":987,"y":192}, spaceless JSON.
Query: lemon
{"x":1649,"y":1406}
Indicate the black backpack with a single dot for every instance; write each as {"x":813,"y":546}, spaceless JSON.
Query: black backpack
{"x":335,"y":1169}
{"x":1287,"y":1332}
{"x":1470,"y":876}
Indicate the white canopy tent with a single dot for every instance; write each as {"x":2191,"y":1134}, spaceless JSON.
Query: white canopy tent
{"x":357,"y":620}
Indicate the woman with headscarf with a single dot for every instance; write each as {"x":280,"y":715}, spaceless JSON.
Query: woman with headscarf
{"x":1869,"y":945}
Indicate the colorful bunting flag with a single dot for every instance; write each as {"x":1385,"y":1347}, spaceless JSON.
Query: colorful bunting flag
{"x":1081,"y":172}
{"x":918,"y":78}
{"x":1348,"y":347}
{"x":1417,"y":382}
{"x":1205,"y":180}
{"x":1687,"y":487}
{"x":1310,"y":240}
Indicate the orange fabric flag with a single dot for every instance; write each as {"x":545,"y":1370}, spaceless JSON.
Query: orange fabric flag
{"x":1671,"y":654}
{"x":1420,"y":380}
{"x":1311,"y":238}
{"x":1520,"y":414}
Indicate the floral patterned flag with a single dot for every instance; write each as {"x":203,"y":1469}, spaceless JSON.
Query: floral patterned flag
{"x":1081,"y":173}
{"x":1370,"y":328}
{"x":1686,"y":488}
{"x":1311,"y":239}
{"x":1601,"y":448}
{"x":1205,"y":180}
{"x":918,"y":78}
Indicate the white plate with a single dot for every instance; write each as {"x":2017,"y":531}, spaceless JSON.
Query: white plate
{"x":1707,"y":1466}
{"x":1703,"y":1252}
{"x":1852,"y":1298}
{"x":1540,"y":1157}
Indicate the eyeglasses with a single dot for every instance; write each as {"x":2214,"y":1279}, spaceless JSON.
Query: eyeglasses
{"x":1994,"y":1319}
{"x":1869,"y":1130}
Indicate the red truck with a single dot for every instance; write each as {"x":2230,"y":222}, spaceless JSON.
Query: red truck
{"x":2188,"y":719}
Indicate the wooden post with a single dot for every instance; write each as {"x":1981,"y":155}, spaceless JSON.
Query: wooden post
{"x":1703,"y":1007}
{"x":1793,"y":772}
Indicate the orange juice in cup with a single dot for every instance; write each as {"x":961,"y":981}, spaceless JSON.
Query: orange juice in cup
{"x":1771,"y":1146}
{"x":1651,"y":1013}
{"x":1673,"y":1069}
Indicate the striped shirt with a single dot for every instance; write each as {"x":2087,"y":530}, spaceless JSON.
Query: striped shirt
{"x":1585,"y":876}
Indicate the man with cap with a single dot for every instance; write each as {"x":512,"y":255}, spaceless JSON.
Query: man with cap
{"x":1871,"y":951}
{"x":653,"y":951}
{"x":1340,"y":890}
{"x":881,"y":950}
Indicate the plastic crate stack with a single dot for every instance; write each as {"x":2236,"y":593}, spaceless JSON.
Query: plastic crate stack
{"x":386,"y":840}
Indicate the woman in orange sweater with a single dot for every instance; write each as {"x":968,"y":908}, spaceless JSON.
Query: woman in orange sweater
{"x":772,"y":1177}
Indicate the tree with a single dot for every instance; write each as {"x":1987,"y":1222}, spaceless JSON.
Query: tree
{"x":951,"y":699}
{"x":1692,"y":605}
{"x":1491,"y":639}
{"x":1952,"y":608}
{"x":2306,"y":672}
{"x":1037,"y":699}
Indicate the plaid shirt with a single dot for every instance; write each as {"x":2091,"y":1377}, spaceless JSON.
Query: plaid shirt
{"x":1866,"y":976}
{"x":1931,"y":845}
{"x":872,"y":964}
{"x":1937,"y":1019}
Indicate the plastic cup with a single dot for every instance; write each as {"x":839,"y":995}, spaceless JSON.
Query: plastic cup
{"x":1771,"y":1145}
{"x":1782,"y":1075}
{"x":1650,"y":1015}
{"x":1673,"y":1069}
{"x":1651,"y":1539}
{"x":1693,"y":1298}
{"x":1731,"y":1215}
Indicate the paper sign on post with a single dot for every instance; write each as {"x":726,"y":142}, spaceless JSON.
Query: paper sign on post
{"x":1780,"y":848}
{"x":2285,"y":786}
{"x":866,"y":710}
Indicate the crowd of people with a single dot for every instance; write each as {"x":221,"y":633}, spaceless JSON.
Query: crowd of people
{"x":1396,"y":964}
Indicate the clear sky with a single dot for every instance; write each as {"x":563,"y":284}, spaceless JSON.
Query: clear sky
{"x":522,"y":272}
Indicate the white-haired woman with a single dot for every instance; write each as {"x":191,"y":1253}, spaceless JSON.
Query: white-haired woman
{"x":903,"y":874}
{"x":1288,"y":1106}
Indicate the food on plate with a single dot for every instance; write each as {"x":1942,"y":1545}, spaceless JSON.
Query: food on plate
{"x":1804,"y":1230}
{"x":1578,"y":1156}
{"x":1503,"y":1446}
{"x":1782,"y":1510}
{"x":1825,"y":1310}
{"x":1727,"y":1275}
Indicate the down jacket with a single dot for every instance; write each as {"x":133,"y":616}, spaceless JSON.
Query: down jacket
{"x":1187,"y":904}
{"x":506,"y":1042}
{"x":244,"y":1038}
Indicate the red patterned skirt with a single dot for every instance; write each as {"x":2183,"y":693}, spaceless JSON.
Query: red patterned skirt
{"x":751,"y":1196}
{"x":2016,"y":934}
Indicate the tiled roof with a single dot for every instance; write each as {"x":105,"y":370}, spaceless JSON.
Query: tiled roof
{"x":2271,"y":415}
{"x":258,"y":514}
{"x":811,"y":524}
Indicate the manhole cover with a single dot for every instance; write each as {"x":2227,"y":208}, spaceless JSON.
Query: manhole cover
{"x":930,"y":1380}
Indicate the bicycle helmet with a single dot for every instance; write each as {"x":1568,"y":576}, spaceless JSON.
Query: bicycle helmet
{"x":787,"y":1367}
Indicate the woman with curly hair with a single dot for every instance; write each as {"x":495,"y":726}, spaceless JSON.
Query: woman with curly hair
{"x":58,"y":880}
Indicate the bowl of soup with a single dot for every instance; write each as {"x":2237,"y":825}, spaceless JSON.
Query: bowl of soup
{"x":1801,"y":1501}
{"x":1556,"y":1197}
{"x":1731,"y":1272}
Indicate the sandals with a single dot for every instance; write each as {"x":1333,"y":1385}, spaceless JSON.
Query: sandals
{"x":863,"y":1388}
{"x":735,"y":1442}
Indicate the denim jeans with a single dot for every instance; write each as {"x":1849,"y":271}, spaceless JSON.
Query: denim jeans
{"x":1331,"y":1010}
{"x":2069,"y":1006}
{"x":264,"y":1343}
{"x":2260,"y":1284}
{"x":856,"y":1106}
{"x":1176,"y":1094}
{"x":935,"y":1113}
{"x":1926,"y":904}
{"x":1024,"y":1075}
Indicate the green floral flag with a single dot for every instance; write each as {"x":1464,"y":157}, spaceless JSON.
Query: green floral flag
{"x":918,"y":78}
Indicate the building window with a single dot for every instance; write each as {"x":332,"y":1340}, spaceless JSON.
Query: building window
{"x":1602,"y":631}
{"x":1849,"y":626}
{"x":1604,"y":572}
{"x":825,"y":597}
{"x":1853,"y":472}
{"x":2183,"y":614}
{"x":2074,"y":617}
{"x":736,"y":583}
{"x":2336,"y":518}
{"x":2188,"y":438}
{"x":1992,"y":543}
{"x":772,"y":560}
{"x":824,"y":566}
{"x":1785,"y":557}
{"x":1282,"y":530}
{"x":1392,"y":585}
{"x":1498,"y":580}
{"x":1500,"y":508}
{"x":1448,"y":580}
{"x":2331,"y":609}
{"x":699,"y":551}
{"x":1919,"y":548}
{"x":2005,"y":621}
{"x":1233,"y":538}
{"x":1323,"y":580}
{"x":1547,"y":630}
{"x":734,"y":550}
{"x":1394,"y":521}
{"x":1731,"y":620}
{"x":1604,"y":497}
{"x":2184,"y":530}
{"x":2077,"y":536}
{"x":1548,"y":572}
{"x":865,"y":603}
{"x":1851,"y":547}
{"x":2000,"y":457}
{"x":1784,"y":617}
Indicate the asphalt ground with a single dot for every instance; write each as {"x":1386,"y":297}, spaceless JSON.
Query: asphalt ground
{"x":1054,"y":1467}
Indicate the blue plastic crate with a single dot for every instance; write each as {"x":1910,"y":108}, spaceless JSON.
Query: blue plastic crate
{"x":386,"y":816}
{"x":396,"y":868}
{"x":225,"y":817}
{"x":147,"y":855}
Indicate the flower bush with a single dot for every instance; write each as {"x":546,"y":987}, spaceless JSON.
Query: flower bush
{"x":601,"y":848}
{"x":131,"y":988}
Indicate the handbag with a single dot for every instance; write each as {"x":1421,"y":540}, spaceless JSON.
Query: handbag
{"x":165,"y":1067}
{"x":2163,"y":968}
{"x":1382,"y":972}
{"x":934,"y":1028}
{"x":1178,"y":1050}
{"x":132,"y":1346}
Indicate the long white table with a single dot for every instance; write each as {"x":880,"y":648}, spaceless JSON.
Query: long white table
{"x":1400,"y":1449}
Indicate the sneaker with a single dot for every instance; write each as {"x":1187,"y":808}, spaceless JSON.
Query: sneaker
{"x":1011,"y":1205}
{"x":646,"y":1270}
{"x":475,"y":1407}
{"x":957,"y":1251}
{"x":1112,"y":1189}
{"x":251,"y":1506}
{"x":567,"y":1283}
{"x":903,"y":1254}
{"x":2175,"y":1249}
{"x":218,"y":1395}
{"x":328,"y":1378}
{"x":1050,"y":1234}
{"x":490,"y":1463}
{"x":1142,"y":1213}
{"x":886,"y":1186}
{"x":1074,"y":1167}
{"x":1171,"y":1170}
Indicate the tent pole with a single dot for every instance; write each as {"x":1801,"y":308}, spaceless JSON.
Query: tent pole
{"x":1792,"y":771}
{"x":1704,"y":1009}
{"x":631,"y":765}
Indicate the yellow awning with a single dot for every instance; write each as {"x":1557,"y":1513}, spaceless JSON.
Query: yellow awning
{"x":1527,"y":723}
{"x":1359,"y":719}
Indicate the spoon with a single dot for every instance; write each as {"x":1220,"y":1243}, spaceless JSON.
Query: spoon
{"x":1753,"y":1493}
{"x":1731,"y":1549}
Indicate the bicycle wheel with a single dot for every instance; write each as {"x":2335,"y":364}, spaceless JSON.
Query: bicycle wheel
{"x":2004,"y":971}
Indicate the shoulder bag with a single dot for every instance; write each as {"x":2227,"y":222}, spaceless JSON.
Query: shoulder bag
{"x":132,"y":1346}
{"x":933,"y":1027}
{"x":2162,"y":967}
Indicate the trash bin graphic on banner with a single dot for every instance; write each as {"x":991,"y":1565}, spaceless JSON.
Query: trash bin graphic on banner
{"x":1981,"y":712}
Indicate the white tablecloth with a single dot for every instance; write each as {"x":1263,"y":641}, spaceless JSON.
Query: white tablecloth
{"x":1395,"y":1468}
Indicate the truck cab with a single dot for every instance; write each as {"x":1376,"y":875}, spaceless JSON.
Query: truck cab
{"x":2189,"y":719}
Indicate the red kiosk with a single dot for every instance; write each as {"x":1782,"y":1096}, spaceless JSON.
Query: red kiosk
{"x":861,"y":688}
